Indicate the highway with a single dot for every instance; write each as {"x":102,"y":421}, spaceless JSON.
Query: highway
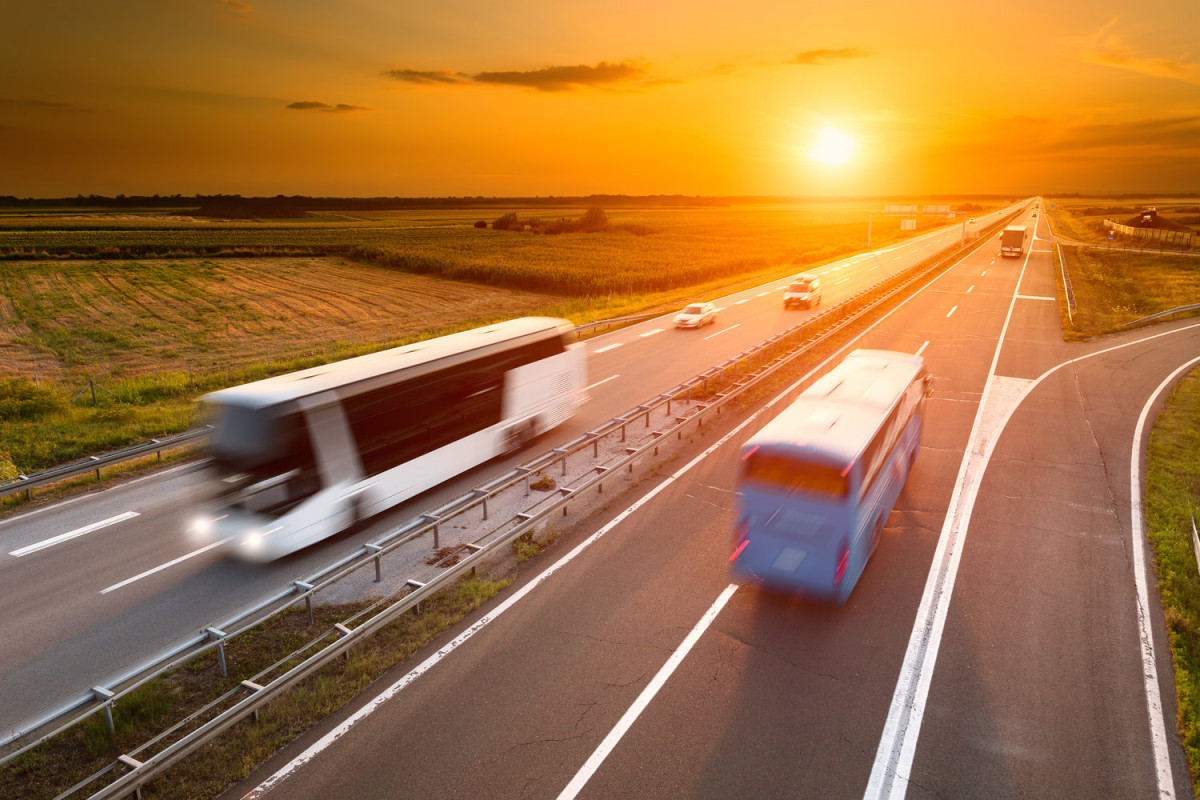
{"x":106,"y":580}
{"x":993,"y":648}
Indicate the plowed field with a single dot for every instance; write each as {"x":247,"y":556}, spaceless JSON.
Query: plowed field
{"x":126,"y":318}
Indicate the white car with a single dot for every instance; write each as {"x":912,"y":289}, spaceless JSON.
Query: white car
{"x":696,"y":315}
{"x":804,"y":290}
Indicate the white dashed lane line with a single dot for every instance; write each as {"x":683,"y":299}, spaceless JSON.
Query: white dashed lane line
{"x":64,"y":537}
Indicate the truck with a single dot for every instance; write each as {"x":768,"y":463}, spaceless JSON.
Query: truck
{"x":1012,"y":240}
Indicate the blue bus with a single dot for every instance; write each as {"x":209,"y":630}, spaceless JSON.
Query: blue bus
{"x":820,"y":480}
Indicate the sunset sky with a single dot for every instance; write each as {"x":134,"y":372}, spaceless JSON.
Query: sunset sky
{"x":458,"y":98}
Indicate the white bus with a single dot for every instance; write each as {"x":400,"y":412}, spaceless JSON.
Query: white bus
{"x":299,"y":457}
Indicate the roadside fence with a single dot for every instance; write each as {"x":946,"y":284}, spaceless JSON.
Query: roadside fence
{"x":1181,"y":240}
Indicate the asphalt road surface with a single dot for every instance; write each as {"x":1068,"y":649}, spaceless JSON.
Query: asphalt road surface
{"x":1002,"y":642}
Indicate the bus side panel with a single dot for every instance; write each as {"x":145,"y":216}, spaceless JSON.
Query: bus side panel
{"x":881,"y":499}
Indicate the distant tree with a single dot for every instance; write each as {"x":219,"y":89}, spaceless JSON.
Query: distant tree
{"x":508,"y":222}
{"x":481,"y":224}
{"x":593,"y":220}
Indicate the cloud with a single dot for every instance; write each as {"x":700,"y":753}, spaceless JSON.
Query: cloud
{"x":1109,"y":49}
{"x":560,"y":79}
{"x":244,"y":10}
{"x":429,"y":77}
{"x":316,"y":105}
{"x":825,"y":55}
{"x":547,"y":79}
{"x":41,"y":105}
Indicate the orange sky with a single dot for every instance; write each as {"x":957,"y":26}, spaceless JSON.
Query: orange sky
{"x":525,"y":97}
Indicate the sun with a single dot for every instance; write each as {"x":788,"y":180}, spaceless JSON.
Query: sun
{"x":833,"y":146}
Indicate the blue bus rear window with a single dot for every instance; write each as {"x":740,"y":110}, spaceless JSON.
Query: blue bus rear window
{"x":797,"y":477}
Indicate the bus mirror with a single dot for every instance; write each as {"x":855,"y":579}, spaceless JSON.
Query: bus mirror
{"x":928,"y":385}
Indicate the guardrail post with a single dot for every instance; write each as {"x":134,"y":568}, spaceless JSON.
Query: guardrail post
{"x":217,"y":636}
{"x":94,"y":458}
{"x":478,"y":493}
{"x":558,"y":451}
{"x":436,"y":526}
{"x":376,"y":550}
{"x":106,"y":696}
{"x":307,"y":589}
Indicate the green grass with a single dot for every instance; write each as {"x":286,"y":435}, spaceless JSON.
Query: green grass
{"x":1114,"y":287}
{"x":1172,"y":501}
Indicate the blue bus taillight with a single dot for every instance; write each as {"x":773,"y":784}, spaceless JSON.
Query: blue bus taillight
{"x":741,"y":538}
{"x":841,"y":567}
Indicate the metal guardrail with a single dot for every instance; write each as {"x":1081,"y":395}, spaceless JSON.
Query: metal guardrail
{"x":27,"y":483}
{"x":214,"y":637}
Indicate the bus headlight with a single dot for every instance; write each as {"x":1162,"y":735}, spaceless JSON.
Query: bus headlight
{"x":201,"y":529}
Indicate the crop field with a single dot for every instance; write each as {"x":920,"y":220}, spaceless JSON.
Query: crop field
{"x":645,"y":250}
{"x":156,"y":309}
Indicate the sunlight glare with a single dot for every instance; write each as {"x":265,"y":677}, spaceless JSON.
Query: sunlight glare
{"x":833,"y":146}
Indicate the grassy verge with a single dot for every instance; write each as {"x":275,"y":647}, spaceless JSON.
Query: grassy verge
{"x":1172,"y":501}
{"x":1115,"y":287}
{"x":78,"y":753}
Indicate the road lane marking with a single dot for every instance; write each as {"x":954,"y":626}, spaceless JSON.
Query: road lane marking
{"x":63,"y":537}
{"x":594,"y":761}
{"x":921,"y":349}
{"x":723,"y":330}
{"x":762,"y":294}
{"x":839,"y":283}
{"x":1033,"y":297}
{"x":951,"y":311}
{"x":874,"y":267}
{"x":970,"y":288}
{"x":743,"y":300}
{"x":601,"y":383}
{"x":606,"y":349}
{"x":983,"y":273}
{"x":161,"y":567}
{"x":650,"y":333}
{"x":58,"y":506}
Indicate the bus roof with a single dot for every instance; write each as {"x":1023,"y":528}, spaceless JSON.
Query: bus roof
{"x":316,"y":380}
{"x":836,"y":417}
{"x":1020,"y":228}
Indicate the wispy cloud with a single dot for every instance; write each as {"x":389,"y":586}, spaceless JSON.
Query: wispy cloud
{"x":243,"y":9}
{"x":316,"y":105}
{"x":826,"y":55}
{"x":604,"y":75}
{"x":1110,"y":49}
{"x":433,"y":77}
{"x":561,"y":79}
{"x":41,"y":105}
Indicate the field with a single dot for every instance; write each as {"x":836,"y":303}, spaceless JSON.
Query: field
{"x":1082,"y":219}
{"x":156,"y":309}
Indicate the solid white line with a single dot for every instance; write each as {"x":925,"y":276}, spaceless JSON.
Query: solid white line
{"x":723,"y":330}
{"x":601,"y":383}
{"x":951,"y":311}
{"x":921,"y":349}
{"x":1158,"y":735}
{"x":634,"y":711}
{"x":161,"y":567}
{"x":606,"y":349}
{"x":650,"y":333}
{"x":63,"y":537}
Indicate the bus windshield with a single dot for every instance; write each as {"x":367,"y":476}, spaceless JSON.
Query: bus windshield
{"x":798,"y":477}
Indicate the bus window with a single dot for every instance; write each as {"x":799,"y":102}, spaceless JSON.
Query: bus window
{"x":798,"y":477}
